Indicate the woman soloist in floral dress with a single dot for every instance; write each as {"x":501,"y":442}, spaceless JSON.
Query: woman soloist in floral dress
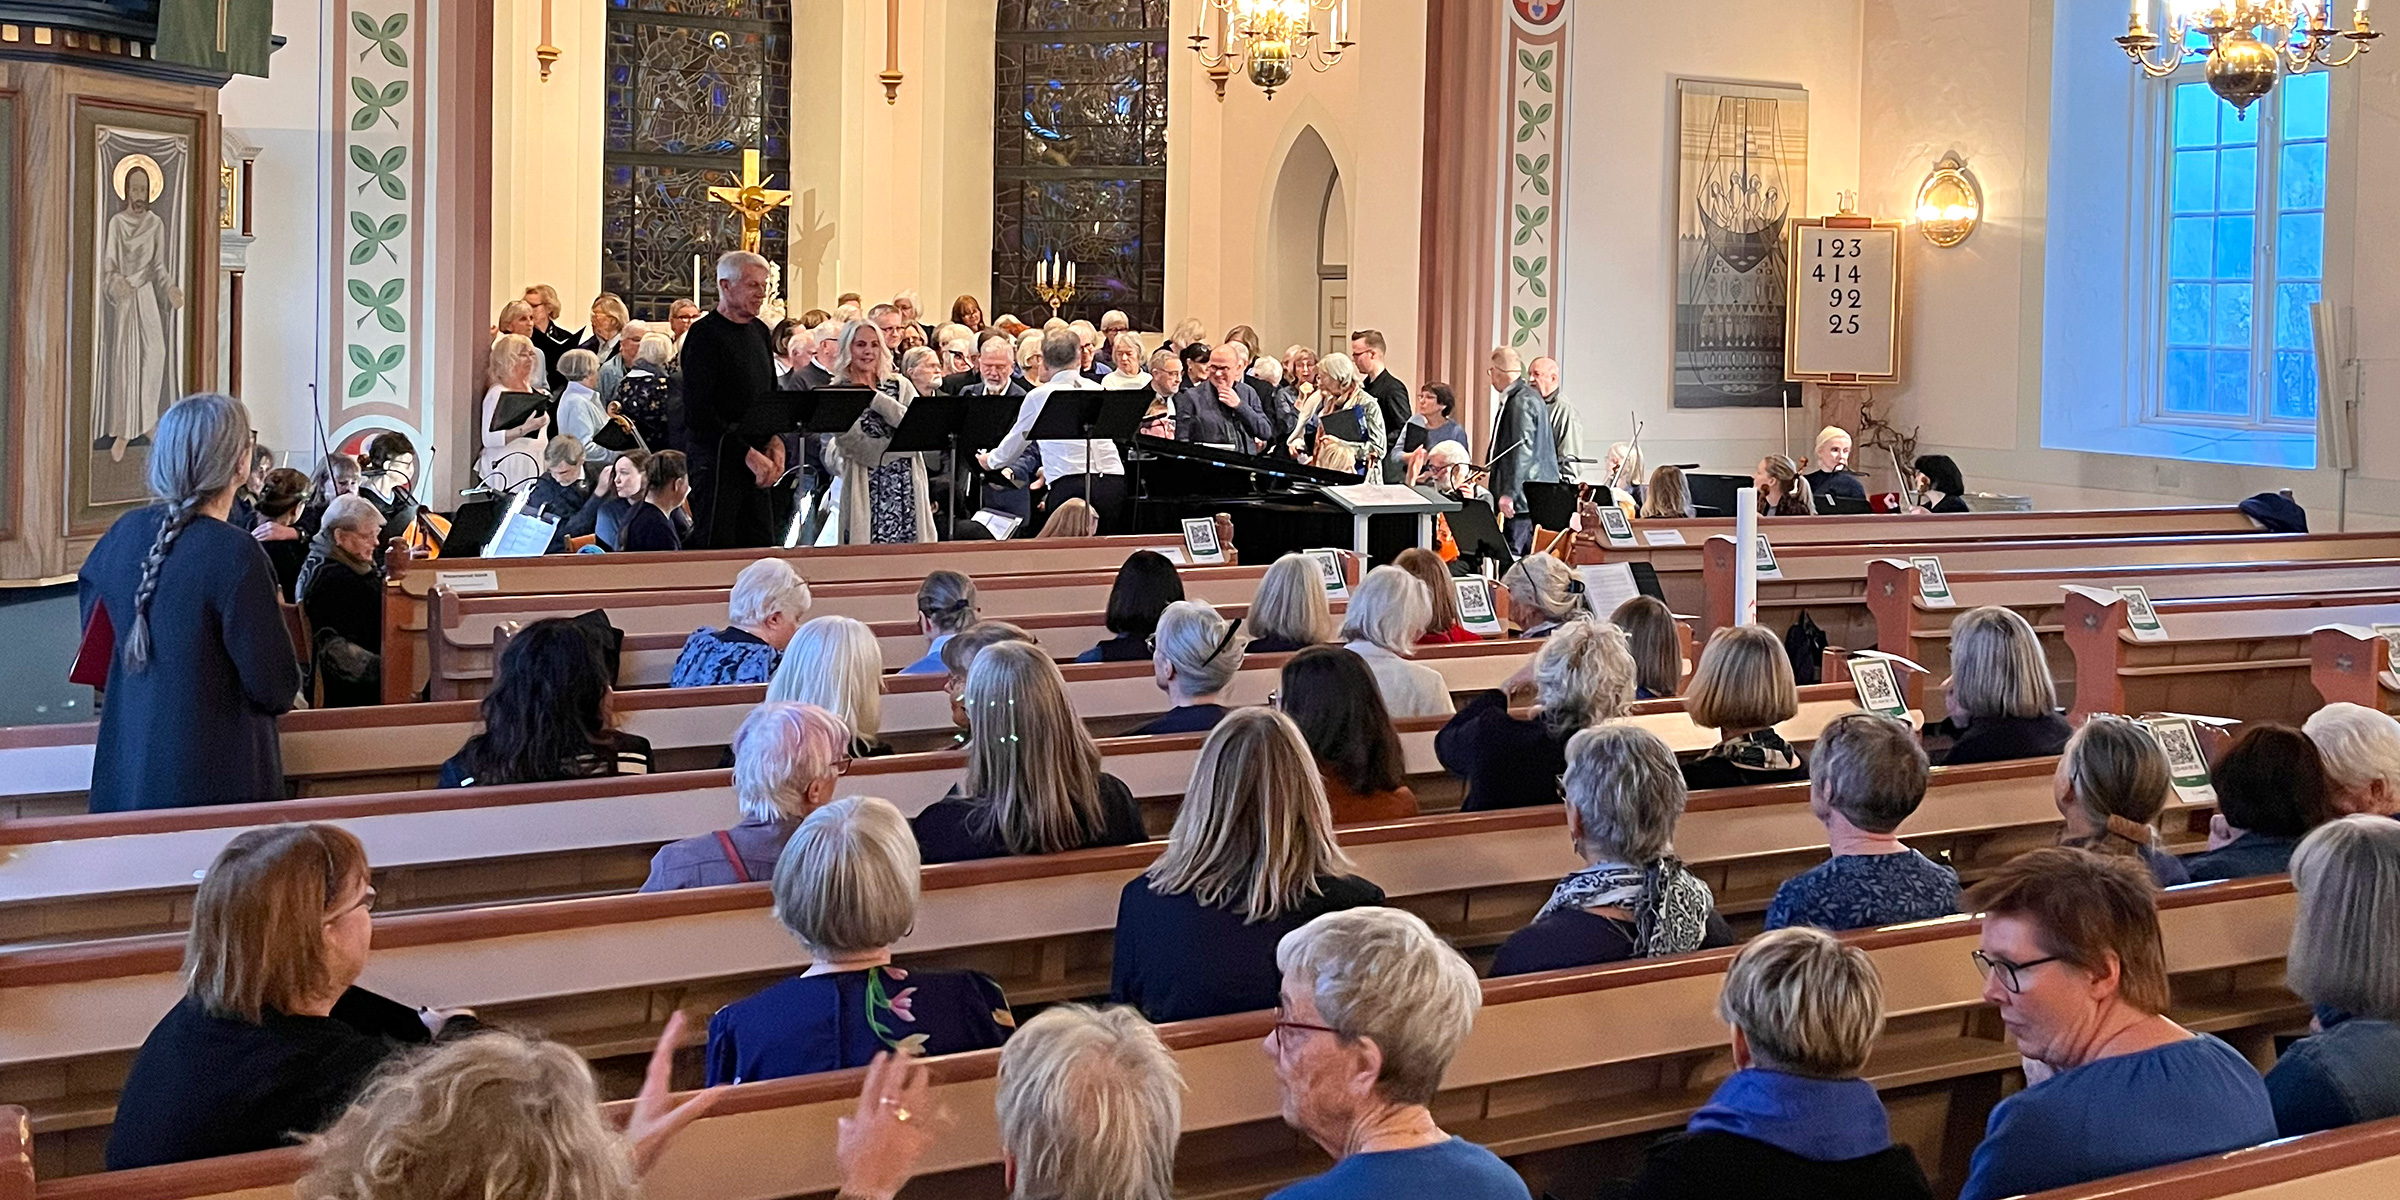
{"x":884,"y":496}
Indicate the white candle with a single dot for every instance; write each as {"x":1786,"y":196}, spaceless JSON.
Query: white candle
{"x":695,"y":279}
{"x":1070,"y":274}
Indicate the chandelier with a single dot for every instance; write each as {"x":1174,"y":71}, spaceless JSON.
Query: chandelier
{"x":2248,"y":42}
{"x":1265,"y":38}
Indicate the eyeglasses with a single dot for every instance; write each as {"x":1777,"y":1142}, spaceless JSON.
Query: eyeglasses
{"x":1281,"y":1024}
{"x":2010,"y":976}
{"x":841,"y":766}
{"x":366,"y":900}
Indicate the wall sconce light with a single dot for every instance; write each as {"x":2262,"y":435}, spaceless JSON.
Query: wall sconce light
{"x":1950,"y":204}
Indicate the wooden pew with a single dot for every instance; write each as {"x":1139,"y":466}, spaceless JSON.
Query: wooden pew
{"x":2352,"y":663}
{"x":1679,"y":566}
{"x":2337,"y":1164}
{"x":462,"y":627}
{"x":1905,"y":625}
{"x":2245,"y":657}
{"x":411,"y":581}
{"x":118,"y":874}
{"x":1564,"y":1072}
{"x":1830,"y":582}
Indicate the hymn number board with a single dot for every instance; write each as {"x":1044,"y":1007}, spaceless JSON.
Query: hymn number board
{"x":1844,"y":312}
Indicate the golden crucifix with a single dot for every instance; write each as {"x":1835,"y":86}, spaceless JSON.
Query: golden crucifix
{"x":752,"y":199}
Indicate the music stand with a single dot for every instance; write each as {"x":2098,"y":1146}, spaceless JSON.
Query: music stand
{"x":1089,"y":415}
{"x":472,"y":526}
{"x":1552,"y":505}
{"x":1476,"y":529}
{"x":955,"y":424}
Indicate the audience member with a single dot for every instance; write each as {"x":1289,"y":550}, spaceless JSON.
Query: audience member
{"x":835,"y":663}
{"x":1743,"y":689}
{"x":1198,"y":653}
{"x":786,"y":760}
{"x":1939,"y":486}
{"x":1794,"y":1118}
{"x":272,"y":1037}
{"x":547,"y":715}
{"x":1633,"y":899}
{"x":2003,"y":704}
{"x":1782,"y":492}
{"x":666,"y":485}
{"x":1145,"y":586}
{"x":958,"y":654}
{"x":1251,"y":858}
{"x":2271,"y":791}
{"x":1543,"y":594}
{"x":341,"y":592}
{"x":1831,"y":460}
{"x":201,"y":664}
{"x":2111,"y":783}
{"x":1442,"y":626}
{"x":1868,"y":776}
{"x":946,"y":603}
{"x":2361,"y":750}
{"x":1668,"y":497}
{"x":1656,"y":643}
{"x":1289,"y":611}
{"x":1387,"y":613}
{"x":1033,"y":781}
{"x":2345,"y":960}
{"x":768,"y":603}
{"x":2071,"y":954}
{"x":1073,"y":517}
{"x":846,"y":887}
{"x":279,"y":511}
{"x":1579,"y":678}
{"x":1331,"y":695}
{"x":1374,"y":1006}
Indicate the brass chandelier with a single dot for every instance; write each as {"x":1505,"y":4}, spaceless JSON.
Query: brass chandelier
{"x":1266,"y":38}
{"x":2248,"y":42}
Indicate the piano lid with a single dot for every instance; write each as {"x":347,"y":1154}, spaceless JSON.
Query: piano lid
{"x":1281,"y":468}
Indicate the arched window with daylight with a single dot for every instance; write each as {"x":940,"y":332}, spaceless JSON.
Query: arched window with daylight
{"x":1079,"y":156}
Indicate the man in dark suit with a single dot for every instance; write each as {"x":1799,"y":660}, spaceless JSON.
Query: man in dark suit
{"x":1391,"y":395}
{"x":1523,"y":450}
{"x":1221,"y":410}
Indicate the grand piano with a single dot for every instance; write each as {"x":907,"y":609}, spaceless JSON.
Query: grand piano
{"x":1276,"y":504}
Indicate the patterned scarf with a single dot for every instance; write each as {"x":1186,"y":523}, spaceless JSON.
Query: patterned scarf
{"x":1670,"y":905}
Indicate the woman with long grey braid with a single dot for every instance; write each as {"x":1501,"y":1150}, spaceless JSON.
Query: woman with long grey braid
{"x":202,"y":664}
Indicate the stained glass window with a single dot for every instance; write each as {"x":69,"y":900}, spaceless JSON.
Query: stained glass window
{"x":690,"y":85}
{"x":1079,"y":155}
{"x":2245,"y":253}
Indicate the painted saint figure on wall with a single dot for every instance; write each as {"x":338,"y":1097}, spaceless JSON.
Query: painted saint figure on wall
{"x":139,"y":290}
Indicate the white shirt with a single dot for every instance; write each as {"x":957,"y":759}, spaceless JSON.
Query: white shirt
{"x":1060,"y":458}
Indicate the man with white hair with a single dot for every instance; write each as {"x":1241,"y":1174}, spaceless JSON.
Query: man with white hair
{"x":1096,"y":474}
{"x":2361,"y":749}
{"x":729,"y":361}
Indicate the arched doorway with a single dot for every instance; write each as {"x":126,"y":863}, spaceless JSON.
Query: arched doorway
{"x":1306,"y":297}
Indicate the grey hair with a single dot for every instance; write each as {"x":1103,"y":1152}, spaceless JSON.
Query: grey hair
{"x":919,"y":354}
{"x":779,"y":753}
{"x":1061,"y":349}
{"x":1550,"y":586}
{"x":1090,"y":1104}
{"x":1583,"y":675}
{"x":1507,"y":359}
{"x":731,"y":264}
{"x":1338,"y":370}
{"x":1389,"y":609}
{"x":200,"y":447}
{"x":1191,"y":637}
{"x":1624,"y":783}
{"x":353,"y":512}
{"x":1382,"y":974}
{"x":835,"y":663}
{"x":1290,"y":602}
{"x":1869,"y":768}
{"x":1996,"y":666}
{"x":578,"y":364}
{"x":847,"y":882}
{"x":2359,"y":746}
{"x":656,"y":350}
{"x":1807,"y":1002}
{"x":764,"y":588}
{"x":947,"y":599}
{"x":2346,"y":939}
{"x":1268,"y":369}
{"x":561,"y":450}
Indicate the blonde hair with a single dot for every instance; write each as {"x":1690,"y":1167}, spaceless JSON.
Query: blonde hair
{"x":509,"y":313}
{"x":2346,"y":940}
{"x":1388,"y":610}
{"x":495,"y":1115}
{"x":1654,"y":642}
{"x":1996,"y":666}
{"x":847,"y":881}
{"x":1254,"y":833}
{"x":1090,"y":1104}
{"x":835,"y":663}
{"x":1076,"y":518}
{"x":1549,"y":585}
{"x":1808,"y":1003}
{"x":1668,"y":495}
{"x":1827,"y":434}
{"x":1290,"y":602}
{"x":1795,"y":500}
{"x":2119,"y":781}
{"x":1744,"y":681}
{"x":1582,"y":676}
{"x":1032,"y":767}
{"x":548,"y":294}
{"x":1431,"y":571}
{"x":257,"y":940}
{"x":508,"y":350}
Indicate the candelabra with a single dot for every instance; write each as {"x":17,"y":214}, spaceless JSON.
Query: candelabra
{"x":2243,"y":66}
{"x":1267,"y":38}
{"x":1054,"y":281}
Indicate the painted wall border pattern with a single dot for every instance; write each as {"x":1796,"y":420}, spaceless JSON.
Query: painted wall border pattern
{"x":1533,"y":116}
{"x":375,"y":218}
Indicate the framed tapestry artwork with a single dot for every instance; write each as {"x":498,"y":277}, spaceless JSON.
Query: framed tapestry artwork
{"x":141,"y":200}
{"x":1742,"y":171}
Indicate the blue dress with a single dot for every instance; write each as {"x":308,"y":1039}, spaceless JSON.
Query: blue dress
{"x":2180,"y":1101}
{"x":813,"y":1023}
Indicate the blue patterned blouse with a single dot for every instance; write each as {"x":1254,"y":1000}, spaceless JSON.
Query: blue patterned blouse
{"x":712,"y":657}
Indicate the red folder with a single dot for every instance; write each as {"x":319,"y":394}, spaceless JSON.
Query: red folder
{"x":99,"y":647}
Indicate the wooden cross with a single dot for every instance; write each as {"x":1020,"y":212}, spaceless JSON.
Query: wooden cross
{"x":753,"y":200}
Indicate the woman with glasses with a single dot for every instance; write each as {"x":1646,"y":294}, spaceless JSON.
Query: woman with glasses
{"x":1250,"y":859}
{"x":1198,"y":653}
{"x":846,"y":885}
{"x":273,"y":1037}
{"x":2072,"y":957}
{"x":786,"y":760}
{"x":1374,"y":1005}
